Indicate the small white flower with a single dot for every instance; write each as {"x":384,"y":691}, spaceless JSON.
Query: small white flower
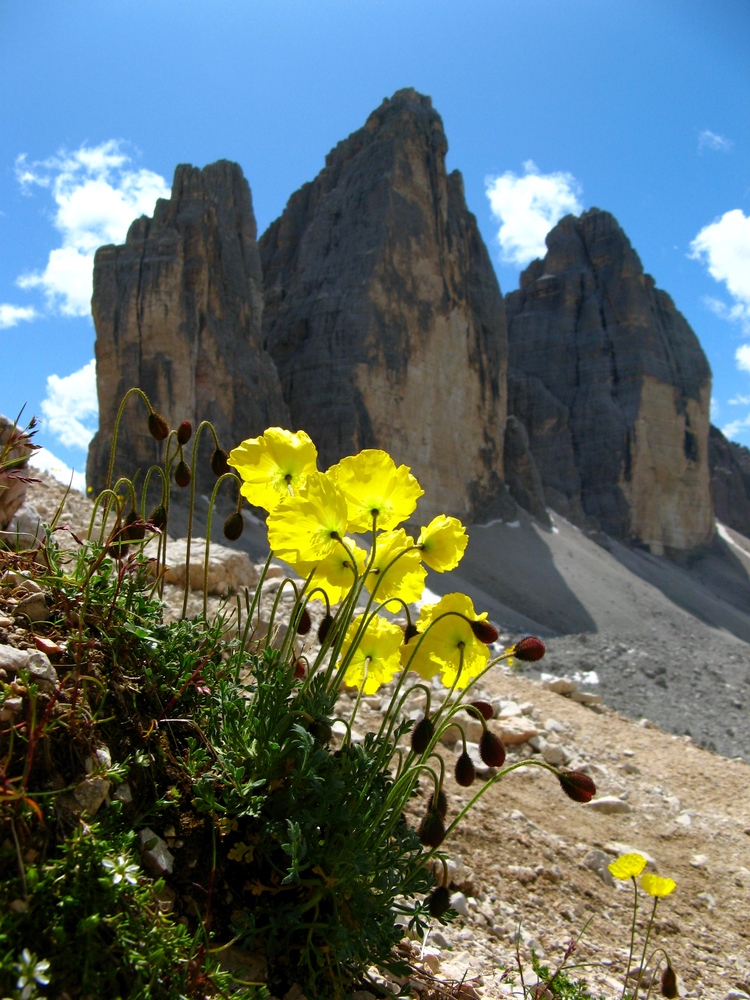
{"x":121,"y":870}
{"x":30,"y":972}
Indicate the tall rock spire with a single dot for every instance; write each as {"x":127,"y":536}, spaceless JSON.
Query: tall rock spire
{"x":177,"y":311}
{"x":613,"y":388}
{"x":383,"y":313}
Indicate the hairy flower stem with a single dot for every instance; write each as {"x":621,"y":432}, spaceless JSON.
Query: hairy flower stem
{"x":632,"y":936}
{"x":209,"y":519}
{"x":191,"y":509}
{"x":645,"y":947}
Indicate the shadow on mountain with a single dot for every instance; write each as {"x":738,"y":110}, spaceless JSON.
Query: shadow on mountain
{"x":509,"y":571}
{"x":713,"y":586}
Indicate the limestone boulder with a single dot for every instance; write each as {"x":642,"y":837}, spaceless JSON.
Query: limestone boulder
{"x":613,"y":388}
{"x":229,"y":570}
{"x":384,"y":316}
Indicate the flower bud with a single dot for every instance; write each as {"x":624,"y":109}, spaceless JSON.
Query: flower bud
{"x":439,"y":901}
{"x":465,"y":772}
{"x":321,"y":730}
{"x":410,"y":630}
{"x":485,"y":631}
{"x":431,"y":830}
{"x":669,"y":982}
{"x":491,"y":749}
{"x":483,"y":707}
{"x":299,"y":670}
{"x":182,"y":474}
{"x":441,"y":805}
{"x":325,"y":627}
{"x":158,"y":517}
{"x":577,"y":786}
{"x":305,"y":622}
{"x":219,"y":463}
{"x":234,"y":526}
{"x":184,"y":432}
{"x":157,"y":426}
{"x":421,"y":735}
{"x":530,"y":649}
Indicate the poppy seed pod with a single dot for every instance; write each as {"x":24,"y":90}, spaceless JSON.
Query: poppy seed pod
{"x":441,"y":805}
{"x":158,"y":517}
{"x":577,"y":786}
{"x":157,"y":426}
{"x":465,"y":771}
{"x":483,"y":707}
{"x":410,"y":630}
{"x":669,"y":982}
{"x":485,"y":631}
{"x":491,"y":749}
{"x":234,"y":526}
{"x":324,"y":628}
{"x":421,"y":735}
{"x":182,"y":474}
{"x":529,"y":648}
{"x":305,"y":622}
{"x":184,"y":432}
{"x":219,"y":463}
{"x":431,"y":831}
{"x":439,"y":901}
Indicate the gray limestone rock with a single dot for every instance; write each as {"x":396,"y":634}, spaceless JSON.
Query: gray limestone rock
{"x":177,"y":311}
{"x":613,"y":388}
{"x":384,"y":316}
{"x":521,"y":472}
{"x":730,"y":481}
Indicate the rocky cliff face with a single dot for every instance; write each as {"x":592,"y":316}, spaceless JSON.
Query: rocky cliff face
{"x":383,"y":313}
{"x":177,"y":311}
{"x":613,"y":389}
{"x":730,"y":481}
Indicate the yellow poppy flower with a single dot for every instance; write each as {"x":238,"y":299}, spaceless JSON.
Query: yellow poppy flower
{"x":307,"y":528}
{"x":657,"y":886}
{"x":627,"y":866}
{"x":443,"y":543}
{"x":375,"y":660}
{"x":272,"y":463}
{"x":334,"y":574}
{"x":405,"y":578}
{"x":446,"y":640}
{"x":373,"y":485}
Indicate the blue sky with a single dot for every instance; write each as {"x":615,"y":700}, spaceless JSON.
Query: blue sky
{"x":639,"y":108}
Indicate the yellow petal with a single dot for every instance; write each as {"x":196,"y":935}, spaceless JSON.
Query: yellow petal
{"x":443,"y":543}
{"x":373,"y":485}
{"x":627,"y":866}
{"x":273,"y":465}
{"x":657,"y":886}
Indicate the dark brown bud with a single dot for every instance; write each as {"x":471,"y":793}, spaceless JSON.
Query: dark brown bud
{"x":669,"y":982}
{"x":439,"y":901}
{"x":483,"y":707}
{"x":184,"y":432}
{"x":431,"y":830}
{"x":219,"y":463}
{"x":441,"y":805}
{"x":485,"y":631}
{"x":118,"y":549}
{"x":158,"y":517}
{"x":491,"y":749}
{"x":182,"y":474}
{"x":421,"y":735}
{"x":234,"y":526}
{"x":324,"y":628}
{"x":134,"y":529}
{"x":157,"y":426}
{"x":305,"y":622}
{"x":321,"y":730}
{"x":530,"y":649}
{"x":410,"y":630}
{"x":577,"y":786}
{"x":465,"y":772}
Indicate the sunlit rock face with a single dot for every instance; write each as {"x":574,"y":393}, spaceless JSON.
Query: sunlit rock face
{"x":177,"y":311}
{"x":613,"y":389}
{"x":384,"y":316}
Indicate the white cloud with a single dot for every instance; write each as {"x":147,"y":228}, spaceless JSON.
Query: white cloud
{"x":528,"y":207}
{"x":71,"y":406}
{"x":97,"y":195}
{"x":13,"y":315}
{"x":714,"y":409}
{"x":710,"y":140}
{"x":47,"y":462}
{"x":732,"y":430}
{"x":739,"y":401}
{"x":724,"y":247}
